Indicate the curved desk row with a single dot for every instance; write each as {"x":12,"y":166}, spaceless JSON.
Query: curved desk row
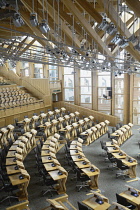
{"x":123,"y":133}
{"x":5,"y":134}
{"x":71,"y":129}
{"x":126,"y":159}
{"x":95,"y":131}
{"x":14,"y":162}
{"x":52,"y":165}
{"x":84,"y":164}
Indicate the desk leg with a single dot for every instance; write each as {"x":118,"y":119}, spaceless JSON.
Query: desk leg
{"x":94,"y":182}
{"x":62,"y":186}
{"x":132,"y":171}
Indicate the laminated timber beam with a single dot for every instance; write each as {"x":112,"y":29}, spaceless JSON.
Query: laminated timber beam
{"x":73,"y":9}
{"x":19,"y":53}
{"x":91,"y":10}
{"x":134,"y":5}
{"x":113,"y":15}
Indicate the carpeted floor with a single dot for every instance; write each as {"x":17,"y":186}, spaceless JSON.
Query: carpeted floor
{"x":108,"y":184}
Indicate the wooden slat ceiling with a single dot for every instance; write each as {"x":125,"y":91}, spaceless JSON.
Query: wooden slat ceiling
{"x":73,"y":21}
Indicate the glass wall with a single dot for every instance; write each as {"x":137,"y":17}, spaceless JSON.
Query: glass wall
{"x":85,"y":89}
{"x":119,"y":96}
{"x":68,"y":84}
{"x":136,"y":100}
{"x":12,"y":65}
{"x":38,"y":70}
{"x":53,"y":73}
{"x":104,"y":86}
{"x":25,"y":69}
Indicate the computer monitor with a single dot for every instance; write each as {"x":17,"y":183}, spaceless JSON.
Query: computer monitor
{"x":99,"y":200}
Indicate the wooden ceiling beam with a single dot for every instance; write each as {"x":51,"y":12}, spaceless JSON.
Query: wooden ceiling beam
{"x":19,"y":53}
{"x":113,"y":15}
{"x":134,"y":6}
{"x":62,"y":25}
{"x":101,"y":46}
{"x":89,"y":8}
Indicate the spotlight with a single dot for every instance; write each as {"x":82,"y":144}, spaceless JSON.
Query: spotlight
{"x":112,"y":29}
{"x":135,"y":69}
{"x":104,"y":24}
{"x":17,"y":20}
{"x":117,"y":39}
{"x":44,"y":26}
{"x":33,"y":19}
{"x":124,"y":43}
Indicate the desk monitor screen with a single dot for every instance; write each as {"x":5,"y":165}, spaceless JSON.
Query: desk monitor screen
{"x":134,"y":192}
{"x":114,"y":148}
{"x":79,"y":156}
{"x":99,"y":201}
{"x":16,"y":167}
{"x":121,"y":154}
{"x":21,"y":176}
{"x":92,"y":169}
{"x":60,"y":173}
{"x":84,"y":163}
{"x":130,"y":160}
{"x":53,"y":164}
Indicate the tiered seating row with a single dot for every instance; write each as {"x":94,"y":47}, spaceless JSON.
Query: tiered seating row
{"x":52,"y":165}
{"x":123,"y":133}
{"x":14,"y":162}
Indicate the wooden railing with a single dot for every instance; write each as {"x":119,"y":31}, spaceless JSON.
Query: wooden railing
{"x":55,"y":86}
{"x":84,"y":111}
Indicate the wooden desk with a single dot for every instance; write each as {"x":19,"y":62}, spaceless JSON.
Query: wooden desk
{"x":22,"y":184}
{"x":12,"y":170}
{"x":134,"y":200}
{"x":112,"y":150}
{"x":74,"y":152}
{"x":11,"y":154}
{"x":45,"y":146}
{"x":93,"y":176}
{"x":61,"y":181}
{"x":46,"y":159}
{"x":81,"y":165}
{"x":116,"y":155}
{"x":109,"y":144}
{"x":94,"y":205}
{"x":10,"y":161}
{"x":75,"y":158}
{"x":72,"y":146}
{"x":45,"y":152}
{"x":132,"y":167}
{"x":49,"y":167}
{"x":13,"y":147}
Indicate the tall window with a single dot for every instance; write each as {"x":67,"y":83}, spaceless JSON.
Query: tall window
{"x":85,"y":89}
{"x":25,"y":69}
{"x":38,"y":70}
{"x":12,"y":66}
{"x":68,"y":84}
{"x":119,"y":96}
{"x":136,"y":100}
{"x":53,"y":72}
{"x":104,"y":98}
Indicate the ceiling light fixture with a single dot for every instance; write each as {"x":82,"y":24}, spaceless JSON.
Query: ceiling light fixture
{"x":17,"y":20}
{"x":44,"y":27}
{"x":33,"y":19}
